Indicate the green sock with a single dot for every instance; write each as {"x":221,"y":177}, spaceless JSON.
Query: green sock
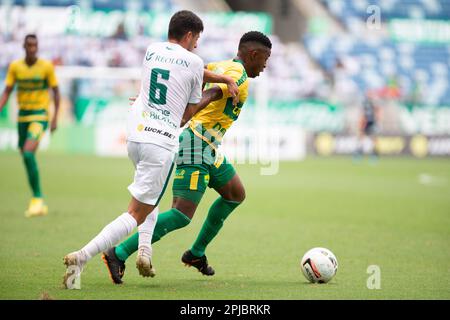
{"x":33,"y":173}
{"x":167,"y":222}
{"x":217,"y":214}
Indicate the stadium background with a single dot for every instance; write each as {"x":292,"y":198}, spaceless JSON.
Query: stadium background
{"x":327,"y":56}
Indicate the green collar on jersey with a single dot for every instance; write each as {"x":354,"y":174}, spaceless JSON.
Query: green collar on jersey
{"x":244,"y":73}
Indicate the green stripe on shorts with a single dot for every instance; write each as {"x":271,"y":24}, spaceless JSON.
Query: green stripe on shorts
{"x":165,"y":184}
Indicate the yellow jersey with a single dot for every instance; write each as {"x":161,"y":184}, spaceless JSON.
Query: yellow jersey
{"x":211,"y":123}
{"x":32,"y":88}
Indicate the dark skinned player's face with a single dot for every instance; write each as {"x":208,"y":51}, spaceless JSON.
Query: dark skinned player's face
{"x":31,"y":47}
{"x":256,"y":61}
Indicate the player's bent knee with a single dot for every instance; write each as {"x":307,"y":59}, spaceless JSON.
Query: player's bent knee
{"x":233,"y":191}
{"x":30,"y":146}
{"x":241,"y":195}
{"x":187,"y":211}
{"x":236,"y":195}
{"x":186,"y":207}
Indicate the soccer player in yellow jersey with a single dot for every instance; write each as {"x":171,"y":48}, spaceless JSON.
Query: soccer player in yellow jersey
{"x":199,"y":163}
{"x":33,"y":77}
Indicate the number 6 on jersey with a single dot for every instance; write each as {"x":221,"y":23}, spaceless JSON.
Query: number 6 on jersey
{"x":158,"y":91}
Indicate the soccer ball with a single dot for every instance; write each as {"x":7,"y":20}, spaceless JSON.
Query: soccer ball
{"x":319,"y":265}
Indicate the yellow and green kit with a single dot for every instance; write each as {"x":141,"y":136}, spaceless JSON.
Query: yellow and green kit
{"x":199,"y":163}
{"x":33,"y":97}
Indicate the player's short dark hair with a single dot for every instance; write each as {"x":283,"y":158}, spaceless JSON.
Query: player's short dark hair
{"x":255,"y":36}
{"x":182,"y":22}
{"x":30,"y":35}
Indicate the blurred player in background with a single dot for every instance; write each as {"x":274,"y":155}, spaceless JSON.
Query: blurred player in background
{"x":33,"y":76}
{"x":368,"y":127}
{"x":201,"y":165}
{"x":171,"y":83}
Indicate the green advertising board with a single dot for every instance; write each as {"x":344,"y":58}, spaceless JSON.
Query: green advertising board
{"x":421,"y":31}
{"x":154,"y":24}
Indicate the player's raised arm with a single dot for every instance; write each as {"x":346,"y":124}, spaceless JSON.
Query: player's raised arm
{"x":211,"y":77}
{"x":208,"y":96}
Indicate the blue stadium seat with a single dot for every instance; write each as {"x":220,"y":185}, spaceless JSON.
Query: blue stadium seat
{"x":410,"y":63}
{"x":427,"y":9}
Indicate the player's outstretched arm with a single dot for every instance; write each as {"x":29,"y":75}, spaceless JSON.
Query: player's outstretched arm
{"x":211,"y":77}
{"x":5,"y":96}
{"x":208,"y":96}
{"x":56,"y":98}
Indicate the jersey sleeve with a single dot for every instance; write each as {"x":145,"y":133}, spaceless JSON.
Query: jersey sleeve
{"x":10,"y":79}
{"x":196,"y":93}
{"x":51,"y":76}
{"x":234,"y":72}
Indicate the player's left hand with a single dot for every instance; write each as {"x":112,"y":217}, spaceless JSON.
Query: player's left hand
{"x":233,"y":90}
{"x":53,"y":126}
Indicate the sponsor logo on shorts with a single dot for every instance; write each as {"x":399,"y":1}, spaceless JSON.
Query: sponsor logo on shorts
{"x":180,"y":174}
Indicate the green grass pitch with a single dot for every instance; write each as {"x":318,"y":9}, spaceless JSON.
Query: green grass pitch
{"x":367,"y":214}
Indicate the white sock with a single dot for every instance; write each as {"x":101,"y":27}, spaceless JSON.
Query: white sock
{"x":109,"y":236}
{"x":146,"y":233}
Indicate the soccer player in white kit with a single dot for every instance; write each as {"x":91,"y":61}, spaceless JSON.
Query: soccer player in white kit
{"x":171,"y":82}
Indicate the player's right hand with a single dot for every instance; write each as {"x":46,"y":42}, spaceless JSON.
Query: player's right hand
{"x":132,"y":100}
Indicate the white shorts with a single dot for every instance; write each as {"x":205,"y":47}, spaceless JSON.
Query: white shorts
{"x":153,"y":166}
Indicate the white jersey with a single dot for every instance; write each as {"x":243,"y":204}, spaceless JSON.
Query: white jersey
{"x":172,"y":77}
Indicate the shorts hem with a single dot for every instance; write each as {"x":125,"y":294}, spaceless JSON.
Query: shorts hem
{"x":142,"y":198}
{"x":194,"y":196}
